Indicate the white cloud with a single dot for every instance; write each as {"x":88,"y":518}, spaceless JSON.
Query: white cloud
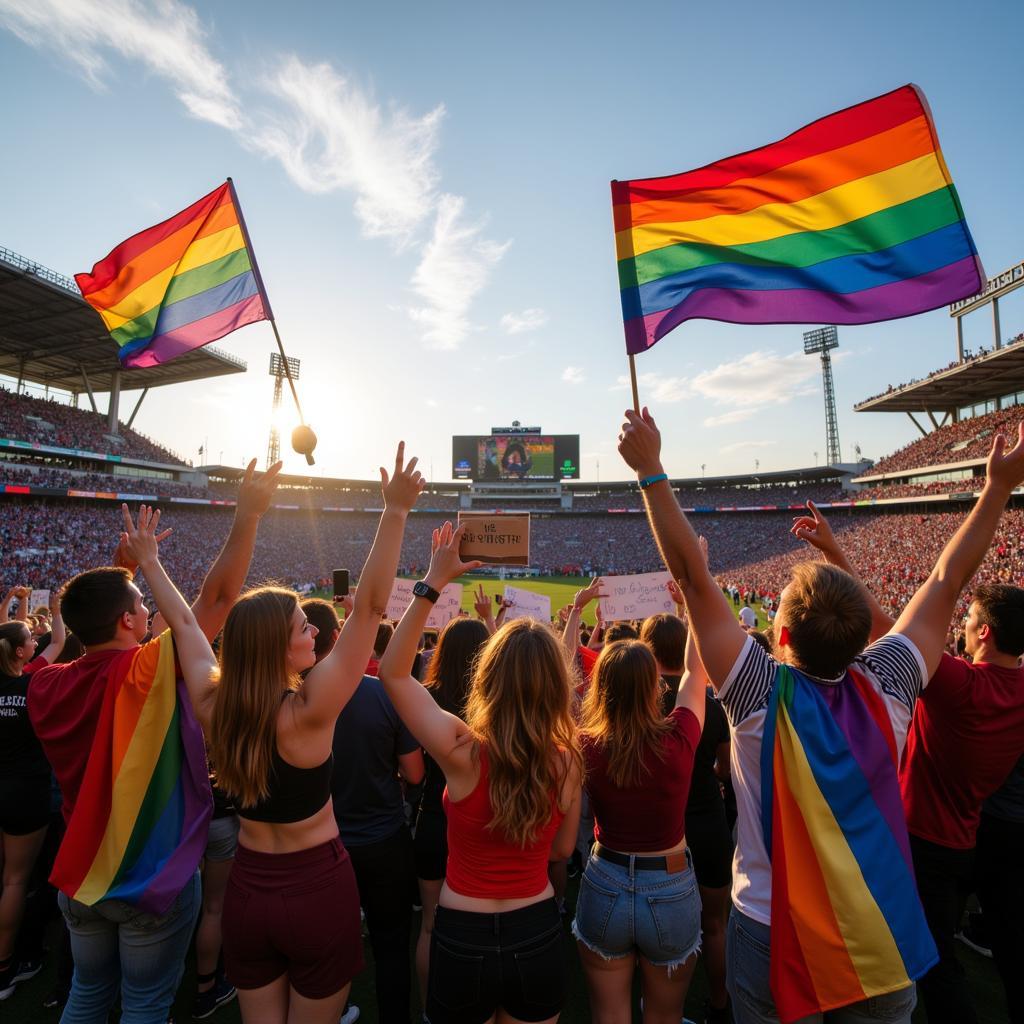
{"x":165,"y":35}
{"x":456,"y":264}
{"x":740,"y":445}
{"x":655,"y":390}
{"x":573,"y":375}
{"x":735,"y":416}
{"x":527,"y":320}
{"x":758,"y":378}
{"x":331,"y":135}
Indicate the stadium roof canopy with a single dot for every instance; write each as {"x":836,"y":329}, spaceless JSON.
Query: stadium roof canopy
{"x":49,"y":335}
{"x":976,"y":380}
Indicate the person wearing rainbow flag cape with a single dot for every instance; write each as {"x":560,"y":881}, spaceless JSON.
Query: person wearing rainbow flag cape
{"x":827,"y":924}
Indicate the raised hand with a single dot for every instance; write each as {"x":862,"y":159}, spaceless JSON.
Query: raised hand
{"x":591,"y":591}
{"x":139,"y":541}
{"x":814,"y":529}
{"x":676,"y":593}
{"x":121,"y":557}
{"x":403,"y":487}
{"x":482,"y":603}
{"x":702,"y":542}
{"x":256,"y":490}
{"x":446,"y":563}
{"x":640,"y":443}
{"x":1006,"y":468}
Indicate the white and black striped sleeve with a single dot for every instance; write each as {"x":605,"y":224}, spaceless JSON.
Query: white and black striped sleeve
{"x":749,"y":684}
{"x":898,"y":667}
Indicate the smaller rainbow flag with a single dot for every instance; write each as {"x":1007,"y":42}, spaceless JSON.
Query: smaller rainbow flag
{"x":180,"y":285}
{"x":139,"y":825}
{"x":850,"y":220}
{"x":846,"y":920}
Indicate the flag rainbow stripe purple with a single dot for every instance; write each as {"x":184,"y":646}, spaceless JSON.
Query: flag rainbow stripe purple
{"x":179,"y":285}
{"x":852,"y":219}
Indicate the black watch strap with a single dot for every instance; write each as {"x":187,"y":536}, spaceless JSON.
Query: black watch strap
{"x":422,"y":589}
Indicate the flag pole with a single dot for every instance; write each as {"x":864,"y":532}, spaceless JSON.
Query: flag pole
{"x":270,"y":313}
{"x":632,"y":380}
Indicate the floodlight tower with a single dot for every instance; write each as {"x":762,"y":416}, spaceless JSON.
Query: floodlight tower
{"x":277,"y":371}
{"x":824,"y":340}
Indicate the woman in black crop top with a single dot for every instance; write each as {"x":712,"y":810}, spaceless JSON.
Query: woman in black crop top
{"x":292,"y":941}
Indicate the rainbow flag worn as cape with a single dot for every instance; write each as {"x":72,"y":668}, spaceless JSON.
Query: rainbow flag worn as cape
{"x":846,"y":921}
{"x":139,"y":825}
{"x":180,"y":285}
{"x":850,"y":220}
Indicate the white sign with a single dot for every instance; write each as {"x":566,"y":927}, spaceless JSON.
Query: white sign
{"x":635,"y":597}
{"x":527,"y":605}
{"x":37,"y":598}
{"x":446,"y":608}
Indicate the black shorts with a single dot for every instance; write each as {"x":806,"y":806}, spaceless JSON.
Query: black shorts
{"x":480,"y":963}
{"x":710,"y":843}
{"x":431,"y":845}
{"x":24,"y":804}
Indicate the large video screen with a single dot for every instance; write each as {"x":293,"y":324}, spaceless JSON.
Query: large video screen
{"x":511,"y":458}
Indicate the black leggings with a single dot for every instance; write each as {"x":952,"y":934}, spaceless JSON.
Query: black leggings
{"x":480,"y":963}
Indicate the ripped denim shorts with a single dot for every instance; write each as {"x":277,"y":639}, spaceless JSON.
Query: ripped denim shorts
{"x":623,"y":910}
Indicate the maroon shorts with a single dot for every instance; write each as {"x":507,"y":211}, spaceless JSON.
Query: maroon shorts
{"x":294,"y":914}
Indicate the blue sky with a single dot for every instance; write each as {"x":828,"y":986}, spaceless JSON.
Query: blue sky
{"x":426,"y":187}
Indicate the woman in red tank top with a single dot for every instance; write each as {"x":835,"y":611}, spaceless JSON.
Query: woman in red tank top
{"x":513,"y":772}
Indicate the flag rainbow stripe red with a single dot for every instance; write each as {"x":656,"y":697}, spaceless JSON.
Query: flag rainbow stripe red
{"x":139,"y":825}
{"x":852,"y":219}
{"x":179,"y":285}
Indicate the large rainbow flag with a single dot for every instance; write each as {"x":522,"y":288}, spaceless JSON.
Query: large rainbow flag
{"x":139,"y":825}
{"x":180,"y":285}
{"x":846,"y":921}
{"x":850,"y":220}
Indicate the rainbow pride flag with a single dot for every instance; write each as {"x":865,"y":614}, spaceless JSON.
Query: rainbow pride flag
{"x":140,"y":822}
{"x":846,"y":922}
{"x":180,"y":285}
{"x":850,"y":220}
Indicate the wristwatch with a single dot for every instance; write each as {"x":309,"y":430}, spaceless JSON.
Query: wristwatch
{"x":421,"y":589}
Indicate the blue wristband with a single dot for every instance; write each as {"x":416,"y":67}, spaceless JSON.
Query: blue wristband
{"x":648,"y":480}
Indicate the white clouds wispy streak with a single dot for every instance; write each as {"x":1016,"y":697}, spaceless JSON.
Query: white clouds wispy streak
{"x":527,"y":320}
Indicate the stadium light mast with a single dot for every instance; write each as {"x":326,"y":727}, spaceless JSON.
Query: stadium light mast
{"x":279,"y":373}
{"x":824,"y":340}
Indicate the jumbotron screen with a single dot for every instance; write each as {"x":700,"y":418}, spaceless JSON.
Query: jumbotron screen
{"x":516,"y":457}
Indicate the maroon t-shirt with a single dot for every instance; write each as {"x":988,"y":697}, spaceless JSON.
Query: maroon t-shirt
{"x":965,"y":738}
{"x":650,"y":815}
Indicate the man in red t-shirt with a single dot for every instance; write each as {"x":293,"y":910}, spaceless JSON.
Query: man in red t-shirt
{"x":966,"y":736}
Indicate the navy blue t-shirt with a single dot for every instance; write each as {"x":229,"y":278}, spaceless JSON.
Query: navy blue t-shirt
{"x":368,"y":739}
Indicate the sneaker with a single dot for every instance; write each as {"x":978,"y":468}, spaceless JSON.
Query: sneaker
{"x":351,"y":1014}
{"x":15,"y":971}
{"x":973,"y":937}
{"x":209,"y":1001}
{"x":28,"y":969}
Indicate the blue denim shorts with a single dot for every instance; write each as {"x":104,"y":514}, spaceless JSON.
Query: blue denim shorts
{"x":622,"y":911}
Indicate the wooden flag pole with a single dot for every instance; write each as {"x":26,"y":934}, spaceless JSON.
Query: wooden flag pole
{"x":632,"y":380}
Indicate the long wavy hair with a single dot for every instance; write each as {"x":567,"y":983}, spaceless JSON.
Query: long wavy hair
{"x":254,"y":676}
{"x":520,"y":709}
{"x":622,"y":713}
{"x":450,"y":669}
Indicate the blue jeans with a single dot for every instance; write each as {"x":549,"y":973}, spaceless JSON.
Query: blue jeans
{"x":621,"y":910}
{"x":116,"y":945}
{"x":746,"y":958}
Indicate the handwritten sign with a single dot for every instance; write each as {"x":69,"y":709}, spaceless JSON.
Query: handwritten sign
{"x":37,"y":598}
{"x":527,"y":605}
{"x":445,"y":609}
{"x":635,"y":597}
{"x":497,"y":540}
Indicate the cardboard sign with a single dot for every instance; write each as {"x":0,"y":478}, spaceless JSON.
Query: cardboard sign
{"x":497,"y":540}
{"x":445,"y":609}
{"x":38,"y":597}
{"x":527,"y":605}
{"x":635,"y":597}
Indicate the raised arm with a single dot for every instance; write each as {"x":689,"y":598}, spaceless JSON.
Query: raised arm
{"x":226,"y":577}
{"x":139,"y":544}
{"x":483,"y":609}
{"x":22,"y":594}
{"x":694,"y":684}
{"x":815,"y":530}
{"x":571,"y":633}
{"x":925,"y":620}
{"x":58,"y":633}
{"x":332,"y":682}
{"x":719,"y":636}
{"x":438,"y":731}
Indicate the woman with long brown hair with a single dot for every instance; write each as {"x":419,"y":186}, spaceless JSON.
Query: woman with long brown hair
{"x":513,"y":772}
{"x":292,"y":940}
{"x":638,"y":896}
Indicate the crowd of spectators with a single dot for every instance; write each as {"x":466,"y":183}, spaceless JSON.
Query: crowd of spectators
{"x":716,"y":497}
{"x":961,"y":486}
{"x":119,"y":483}
{"x":48,"y":421}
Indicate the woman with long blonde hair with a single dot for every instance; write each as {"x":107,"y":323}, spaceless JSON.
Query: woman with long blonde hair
{"x":638,"y":898}
{"x":513,"y":771}
{"x":291,"y":931}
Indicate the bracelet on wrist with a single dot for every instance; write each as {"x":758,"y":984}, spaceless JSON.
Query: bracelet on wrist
{"x":647,"y":481}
